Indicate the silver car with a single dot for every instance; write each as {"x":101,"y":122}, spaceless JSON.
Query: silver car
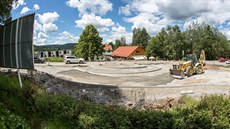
{"x":227,"y":62}
{"x":73,"y":59}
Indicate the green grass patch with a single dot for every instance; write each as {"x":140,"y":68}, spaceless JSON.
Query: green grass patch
{"x":54,"y":59}
{"x":228,"y":66}
{"x":187,"y":101}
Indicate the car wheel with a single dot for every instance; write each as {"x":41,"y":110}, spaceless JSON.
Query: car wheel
{"x":68,"y":62}
{"x":80,"y":62}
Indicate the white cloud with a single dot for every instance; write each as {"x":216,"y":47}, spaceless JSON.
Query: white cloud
{"x":117,"y":33}
{"x":49,"y":28}
{"x":173,"y":9}
{"x":189,"y":22}
{"x":66,"y":37}
{"x":24,"y":10}
{"x":42,"y":35}
{"x":137,"y":6}
{"x":36,"y":7}
{"x":40,"y":41}
{"x":153,"y":14}
{"x":125,"y":10}
{"x":48,"y":17}
{"x":226,"y":32}
{"x":37,"y":26}
{"x":44,"y":26}
{"x":150,"y":22}
{"x":178,"y":10}
{"x":91,"y":6}
{"x":100,"y":23}
{"x":40,"y":38}
{"x":18,"y":3}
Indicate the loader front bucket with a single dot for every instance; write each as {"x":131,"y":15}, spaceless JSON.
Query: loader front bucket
{"x":177,"y":73}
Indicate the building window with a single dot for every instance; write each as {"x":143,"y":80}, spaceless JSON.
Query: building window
{"x":138,"y":51}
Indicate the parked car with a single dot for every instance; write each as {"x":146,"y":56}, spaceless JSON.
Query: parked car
{"x":73,"y":59}
{"x":227,"y":62}
{"x":39,"y":60}
{"x":151,"y":58}
{"x":221,"y":59}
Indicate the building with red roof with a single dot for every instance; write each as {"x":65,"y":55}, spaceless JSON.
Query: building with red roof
{"x":108,"y":47}
{"x":128,"y":51}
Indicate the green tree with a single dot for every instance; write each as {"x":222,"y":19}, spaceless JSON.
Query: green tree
{"x":136,"y":33}
{"x":204,"y":36}
{"x":112,"y":45}
{"x":175,"y":43}
{"x":123,"y":41}
{"x":168,"y":43}
{"x":120,"y":42}
{"x":144,"y":39}
{"x":89,"y":44}
{"x":140,"y":37}
{"x":5,"y":7}
{"x":154,"y":47}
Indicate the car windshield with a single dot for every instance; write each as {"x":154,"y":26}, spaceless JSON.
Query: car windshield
{"x":71,"y":57}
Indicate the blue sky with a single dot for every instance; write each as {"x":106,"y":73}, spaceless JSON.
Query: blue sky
{"x":62,"y":21}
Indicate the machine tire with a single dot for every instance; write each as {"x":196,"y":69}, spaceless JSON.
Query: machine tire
{"x":80,"y":62}
{"x":199,"y":70}
{"x":68,"y":62}
{"x":189,"y":71}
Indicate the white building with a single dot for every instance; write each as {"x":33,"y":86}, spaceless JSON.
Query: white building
{"x":45,"y":54}
{"x":53,"y":53}
{"x":61,"y":53}
{"x":68,"y":52}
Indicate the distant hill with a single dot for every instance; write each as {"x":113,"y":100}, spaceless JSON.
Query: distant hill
{"x":54,"y":47}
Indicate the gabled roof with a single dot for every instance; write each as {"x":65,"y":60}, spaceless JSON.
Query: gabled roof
{"x":108,"y":47}
{"x":124,"y":51}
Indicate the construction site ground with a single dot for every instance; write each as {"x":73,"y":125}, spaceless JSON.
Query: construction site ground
{"x":151,"y":77}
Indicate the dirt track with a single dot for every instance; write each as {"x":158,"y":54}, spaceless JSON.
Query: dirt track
{"x":130,"y":74}
{"x":151,"y":85}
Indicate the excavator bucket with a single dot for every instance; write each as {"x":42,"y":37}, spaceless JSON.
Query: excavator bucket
{"x":177,"y":73}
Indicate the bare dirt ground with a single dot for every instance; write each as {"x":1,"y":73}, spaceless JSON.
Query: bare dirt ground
{"x":150,"y":78}
{"x":136,"y":73}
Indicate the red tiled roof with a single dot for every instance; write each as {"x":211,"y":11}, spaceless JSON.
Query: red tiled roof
{"x":107,"y":47}
{"x":124,"y":51}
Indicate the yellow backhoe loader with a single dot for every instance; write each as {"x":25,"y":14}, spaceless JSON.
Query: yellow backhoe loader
{"x":190,"y":67}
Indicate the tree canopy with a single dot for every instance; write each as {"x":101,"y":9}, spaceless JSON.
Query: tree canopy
{"x":5,"y":7}
{"x":140,"y":37}
{"x":120,"y":42}
{"x":90,"y":43}
{"x":170,"y":43}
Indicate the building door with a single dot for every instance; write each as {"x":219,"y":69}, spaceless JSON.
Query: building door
{"x":57,"y":53}
{"x":49,"y":54}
